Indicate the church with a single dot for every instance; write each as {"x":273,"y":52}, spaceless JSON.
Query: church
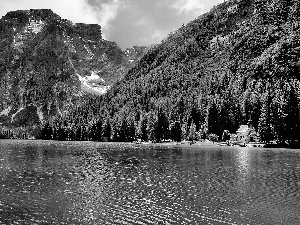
{"x":246,"y":134}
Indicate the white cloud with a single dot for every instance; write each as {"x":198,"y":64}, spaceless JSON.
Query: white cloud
{"x":107,"y":13}
{"x":187,"y":6}
{"x":154,"y":38}
{"x":78,"y":11}
{"x":143,"y":21}
{"x":158,"y":34}
{"x":196,"y":7}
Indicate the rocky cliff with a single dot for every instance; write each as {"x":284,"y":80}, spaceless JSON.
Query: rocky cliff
{"x":47,"y":63}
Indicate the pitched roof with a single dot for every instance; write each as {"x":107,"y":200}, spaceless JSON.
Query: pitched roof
{"x":243,"y":129}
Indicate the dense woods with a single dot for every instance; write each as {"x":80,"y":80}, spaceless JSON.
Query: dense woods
{"x":239,"y":61}
{"x":46,"y":63}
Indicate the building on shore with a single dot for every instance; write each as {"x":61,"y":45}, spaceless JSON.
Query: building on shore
{"x":246,"y":134}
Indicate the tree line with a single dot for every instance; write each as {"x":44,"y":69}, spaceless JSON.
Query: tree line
{"x":212,"y":74}
{"x":152,"y":126}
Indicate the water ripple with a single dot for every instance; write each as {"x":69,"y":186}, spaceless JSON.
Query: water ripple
{"x":50,"y":182}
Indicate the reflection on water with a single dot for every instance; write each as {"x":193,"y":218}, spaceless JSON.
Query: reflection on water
{"x":47,"y":182}
{"x":243,"y":160}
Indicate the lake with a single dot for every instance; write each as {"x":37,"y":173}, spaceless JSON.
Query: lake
{"x":51,"y":182}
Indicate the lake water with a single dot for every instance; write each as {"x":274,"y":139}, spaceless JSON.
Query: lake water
{"x":48,"y":182}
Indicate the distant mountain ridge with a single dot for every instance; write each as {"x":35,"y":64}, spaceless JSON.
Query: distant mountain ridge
{"x":136,"y":52}
{"x":47,"y":63}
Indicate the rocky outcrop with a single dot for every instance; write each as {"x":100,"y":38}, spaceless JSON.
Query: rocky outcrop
{"x":45,"y":62}
{"x":136,"y":52}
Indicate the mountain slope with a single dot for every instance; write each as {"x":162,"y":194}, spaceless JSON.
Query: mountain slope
{"x":239,"y":61}
{"x":47,"y":63}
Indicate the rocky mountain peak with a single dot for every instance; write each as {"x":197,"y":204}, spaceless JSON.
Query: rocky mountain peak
{"x":47,"y":63}
{"x":89,"y":31}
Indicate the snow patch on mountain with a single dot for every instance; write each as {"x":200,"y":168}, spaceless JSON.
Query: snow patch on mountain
{"x":93,"y":84}
{"x":35,"y":26}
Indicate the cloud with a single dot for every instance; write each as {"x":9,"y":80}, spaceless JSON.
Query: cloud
{"x":108,"y":12}
{"x":128,"y":22}
{"x":158,"y":34}
{"x":143,"y":21}
{"x":187,"y":6}
{"x":78,"y":11}
{"x":156,"y":37}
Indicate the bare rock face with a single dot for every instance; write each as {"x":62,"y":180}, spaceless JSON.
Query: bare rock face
{"x":136,"y":52}
{"x":47,"y":63}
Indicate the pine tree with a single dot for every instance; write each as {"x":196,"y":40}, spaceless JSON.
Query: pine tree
{"x":144,"y":123}
{"x":184,"y":131}
{"x":61,"y":133}
{"x":106,"y":130}
{"x":162,"y":128}
{"x":47,"y":132}
{"x":92,"y":131}
{"x":151,"y":127}
{"x":131,"y":131}
{"x":192,"y":132}
{"x":213,"y":118}
{"x":286,"y":112}
{"x":176,"y":131}
{"x":124,"y":130}
{"x":98,"y":132}
{"x":84,"y":133}
{"x":264,"y":126}
{"x":116,"y":127}
{"x":78,"y":133}
{"x":292,"y":116}
{"x":138,"y":130}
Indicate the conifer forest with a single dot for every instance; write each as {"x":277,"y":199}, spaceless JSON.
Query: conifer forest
{"x":239,"y":61}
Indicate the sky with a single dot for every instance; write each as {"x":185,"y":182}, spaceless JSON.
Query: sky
{"x":127,"y":22}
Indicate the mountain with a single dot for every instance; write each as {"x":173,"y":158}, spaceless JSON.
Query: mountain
{"x":236,"y":63}
{"x":136,"y":52}
{"x":48,"y":63}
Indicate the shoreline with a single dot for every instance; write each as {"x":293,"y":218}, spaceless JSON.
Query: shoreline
{"x":162,"y":144}
{"x":182,"y":143}
{"x":171,"y":143}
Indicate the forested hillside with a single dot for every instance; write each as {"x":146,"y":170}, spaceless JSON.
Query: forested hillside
{"x":47,"y":63}
{"x":239,"y":61}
